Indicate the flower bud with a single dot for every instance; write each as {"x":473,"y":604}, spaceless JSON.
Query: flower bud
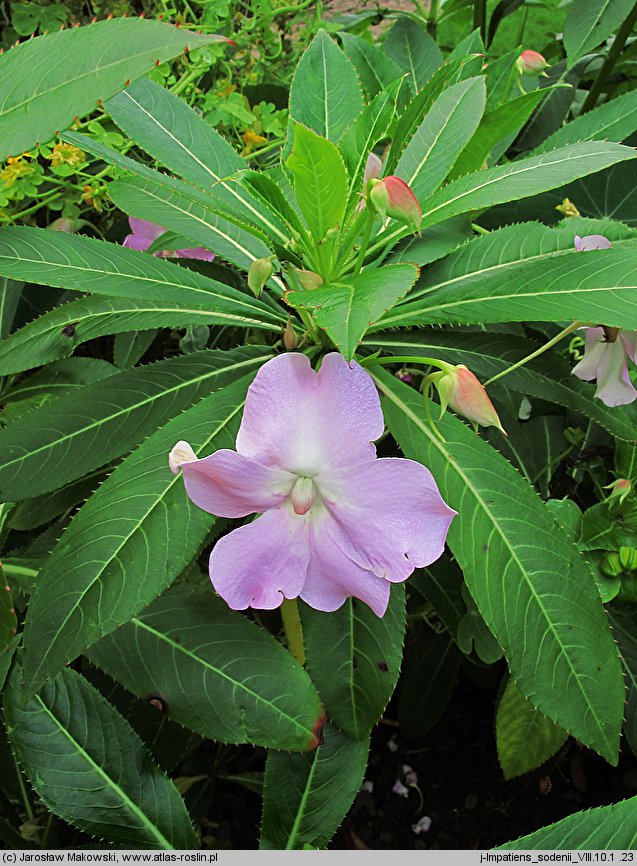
{"x":289,"y":336}
{"x":461,"y":390}
{"x":392,"y":197}
{"x":619,"y":490}
{"x":610,"y":566}
{"x":628,"y":558}
{"x":530,"y":63}
{"x":308,"y":279}
{"x":259,"y":273}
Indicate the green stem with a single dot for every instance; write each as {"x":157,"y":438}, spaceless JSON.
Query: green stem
{"x":9,"y":568}
{"x":23,"y":791}
{"x":538,"y":352}
{"x":432,"y":20}
{"x":609,"y":64}
{"x":293,"y":629}
{"x":480,"y":18}
{"x":367,"y":234}
{"x":407,"y":359}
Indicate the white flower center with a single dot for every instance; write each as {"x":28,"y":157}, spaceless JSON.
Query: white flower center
{"x":303,"y":495}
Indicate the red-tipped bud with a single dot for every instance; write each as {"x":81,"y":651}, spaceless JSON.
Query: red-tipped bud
{"x":461,"y":390}
{"x":531,"y":63}
{"x":619,"y":490}
{"x":392,"y":197}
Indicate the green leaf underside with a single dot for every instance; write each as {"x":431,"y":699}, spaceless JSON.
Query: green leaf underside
{"x":41,"y":91}
{"x":524,"y":737}
{"x":588,"y":24}
{"x":606,"y":828}
{"x":548,"y":377}
{"x":347,"y":309}
{"x":113,"y":561}
{"x":88,"y":427}
{"x":87,"y":265}
{"x":306,"y":796}
{"x":325,"y":95}
{"x":89,"y":767}
{"x":217,"y":673}
{"x":538,"y":585}
{"x":354,"y":659}
{"x":56,"y":334}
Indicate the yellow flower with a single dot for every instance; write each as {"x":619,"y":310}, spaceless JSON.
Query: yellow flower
{"x":66,"y":154}
{"x":16,"y":167}
{"x":250,"y":139}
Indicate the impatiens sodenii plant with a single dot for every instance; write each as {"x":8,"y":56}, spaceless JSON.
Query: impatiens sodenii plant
{"x":352,"y":279}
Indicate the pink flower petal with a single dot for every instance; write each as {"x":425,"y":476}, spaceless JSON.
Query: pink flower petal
{"x":392,"y":516}
{"x":629,"y":339}
{"x":332,"y":577}
{"x":260,"y":563}
{"x":594,"y":343}
{"x":230,"y":485}
{"x":303,"y":421}
{"x":200,"y":253}
{"x":591,"y":242}
{"x":614,"y":387}
{"x":144,"y":234}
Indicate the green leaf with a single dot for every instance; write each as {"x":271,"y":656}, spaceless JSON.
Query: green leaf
{"x":177,"y":137}
{"x":88,"y":265}
{"x":588,"y":24}
{"x":439,"y":242}
{"x":375,"y":68}
{"x":325,"y":94}
{"x":448,"y":125}
{"x":354,"y":658}
{"x":135,"y":534}
{"x":567,"y":664}
{"x":129,"y":347}
{"x":624,"y":625}
{"x":42,"y":89}
{"x":429,"y":676}
{"x":88,"y":766}
{"x":524,"y":737}
{"x":498,"y":124}
{"x":57,"y":333}
{"x":8,"y":618}
{"x":615,"y":120}
{"x":548,"y":377}
{"x":518,"y":180}
{"x":597,"y":286}
{"x":10,"y":292}
{"x":320,"y":181}
{"x":605,"y":828}
{"x":413,"y":49}
{"x":88,"y":427}
{"x":348,"y":308}
{"x":217,"y":673}
{"x":307,"y":796}
{"x":359,"y":140}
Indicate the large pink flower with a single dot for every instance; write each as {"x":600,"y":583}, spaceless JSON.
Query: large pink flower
{"x":336,"y":521}
{"x":144,"y":235}
{"x":605,"y":360}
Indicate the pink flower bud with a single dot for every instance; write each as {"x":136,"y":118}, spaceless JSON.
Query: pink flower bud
{"x":530,"y":63}
{"x":392,"y":197}
{"x":619,"y":490}
{"x":373,"y":168}
{"x":460,"y":389}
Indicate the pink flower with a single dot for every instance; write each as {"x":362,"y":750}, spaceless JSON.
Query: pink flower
{"x":336,"y":522}
{"x":144,"y":234}
{"x":530,"y":63}
{"x":423,"y":825}
{"x":399,"y":789}
{"x":392,"y":197}
{"x":460,"y":389}
{"x":604,"y":359}
{"x":591,"y":242}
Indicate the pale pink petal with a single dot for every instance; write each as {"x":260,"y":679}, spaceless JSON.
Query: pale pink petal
{"x":593,"y":351}
{"x":260,"y":563}
{"x":332,"y":577}
{"x":230,"y":485}
{"x":303,"y":421}
{"x":614,"y":387}
{"x":200,"y":253}
{"x":373,"y":168}
{"x":629,"y":339}
{"x":391,"y":514}
{"x":144,"y":234}
{"x":592,"y":242}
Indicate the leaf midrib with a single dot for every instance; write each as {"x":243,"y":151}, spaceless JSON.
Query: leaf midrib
{"x":513,"y":554}
{"x":163,"y":842}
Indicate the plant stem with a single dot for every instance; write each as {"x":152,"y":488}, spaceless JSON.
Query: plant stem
{"x":480,"y":17}
{"x":293,"y":629}
{"x":407,"y":359}
{"x":608,"y":65}
{"x":538,"y":352}
{"x":367,"y":233}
